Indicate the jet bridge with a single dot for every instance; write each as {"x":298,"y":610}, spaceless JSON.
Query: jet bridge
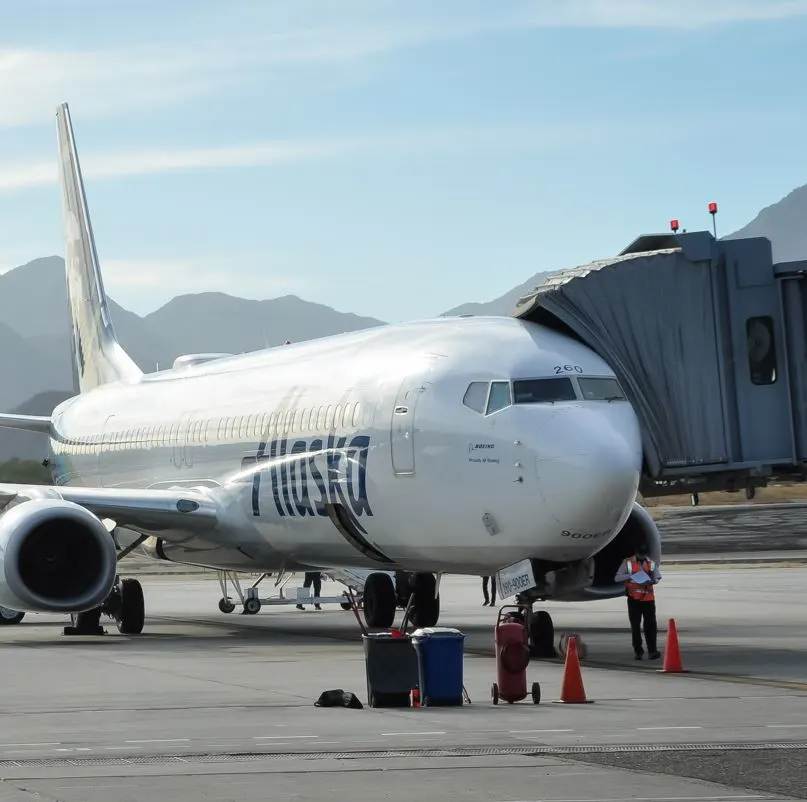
{"x":709,"y":340}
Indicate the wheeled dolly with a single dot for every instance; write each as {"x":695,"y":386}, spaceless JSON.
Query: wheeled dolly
{"x":251,"y":603}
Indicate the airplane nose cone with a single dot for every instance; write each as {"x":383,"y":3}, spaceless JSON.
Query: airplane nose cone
{"x":589,"y":481}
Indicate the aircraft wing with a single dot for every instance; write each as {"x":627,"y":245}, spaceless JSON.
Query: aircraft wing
{"x":148,"y":511}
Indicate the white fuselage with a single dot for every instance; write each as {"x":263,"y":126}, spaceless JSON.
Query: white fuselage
{"x":374,"y":423}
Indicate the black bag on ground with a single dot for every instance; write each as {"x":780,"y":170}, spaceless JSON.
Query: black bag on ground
{"x":339,"y":698}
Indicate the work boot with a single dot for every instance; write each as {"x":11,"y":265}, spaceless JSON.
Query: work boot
{"x":300,"y":607}
{"x":655,"y":655}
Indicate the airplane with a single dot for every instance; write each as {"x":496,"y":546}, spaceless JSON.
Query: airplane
{"x":460,"y":445}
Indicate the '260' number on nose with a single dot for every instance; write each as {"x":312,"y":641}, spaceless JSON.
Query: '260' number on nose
{"x":568,"y":369}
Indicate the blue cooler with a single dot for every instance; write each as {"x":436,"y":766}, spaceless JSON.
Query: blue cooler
{"x":440,"y":654}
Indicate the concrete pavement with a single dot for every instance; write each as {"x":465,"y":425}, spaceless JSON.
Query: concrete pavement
{"x":206,"y":703}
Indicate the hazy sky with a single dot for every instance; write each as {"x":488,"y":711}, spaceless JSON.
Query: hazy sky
{"x":391,"y":158}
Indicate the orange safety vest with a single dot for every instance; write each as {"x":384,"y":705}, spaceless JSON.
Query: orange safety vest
{"x":634,"y":589}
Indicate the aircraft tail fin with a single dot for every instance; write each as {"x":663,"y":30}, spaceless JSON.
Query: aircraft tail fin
{"x":98,"y":358}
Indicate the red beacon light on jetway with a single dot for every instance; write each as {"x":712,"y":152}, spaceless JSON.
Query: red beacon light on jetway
{"x":674,"y":226}
{"x":713,"y":212}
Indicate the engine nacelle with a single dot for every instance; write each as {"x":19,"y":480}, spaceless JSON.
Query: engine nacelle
{"x":55,"y":557}
{"x":594,"y":578}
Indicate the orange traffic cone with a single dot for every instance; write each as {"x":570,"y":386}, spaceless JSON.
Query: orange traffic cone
{"x":415,"y":697}
{"x":672,"y":652}
{"x":572,"y":690}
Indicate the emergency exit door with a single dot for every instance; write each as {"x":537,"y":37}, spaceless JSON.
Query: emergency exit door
{"x":403,"y":428}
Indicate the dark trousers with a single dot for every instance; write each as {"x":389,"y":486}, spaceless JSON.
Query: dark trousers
{"x":638,"y":610}
{"x":314,"y":577}
{"x":492,"y":580}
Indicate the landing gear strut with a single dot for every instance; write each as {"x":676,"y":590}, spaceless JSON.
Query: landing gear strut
{"x":125,"y":604}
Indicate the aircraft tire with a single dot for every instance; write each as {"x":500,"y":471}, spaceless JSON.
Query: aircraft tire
{"x":427,"y":605}
{"x":380,"y":601}
{"x":542,"y":635}
{"x":9,"y":616}
{"x":132,"y":607}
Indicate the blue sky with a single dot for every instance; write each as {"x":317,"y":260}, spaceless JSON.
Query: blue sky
{"x":391,"y":158}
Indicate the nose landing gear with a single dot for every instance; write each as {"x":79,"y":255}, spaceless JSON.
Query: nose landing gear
{"x":540,"y":628}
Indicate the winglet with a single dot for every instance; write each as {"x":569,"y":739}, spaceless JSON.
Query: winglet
{"x":97,"y":356}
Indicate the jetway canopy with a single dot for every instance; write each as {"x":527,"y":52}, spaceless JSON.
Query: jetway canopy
{"x":708,"y":339}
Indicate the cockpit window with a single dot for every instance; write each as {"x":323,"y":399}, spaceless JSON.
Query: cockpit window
{"x":543,"y":391}
{"x":601,"y":389}
{"x":499,"y":396}
{"x":475,"y":396}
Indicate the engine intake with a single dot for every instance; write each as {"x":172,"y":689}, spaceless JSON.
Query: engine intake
{"x":594,"y":578}
{"x":639,"y":526}
{"x":55,"y":556}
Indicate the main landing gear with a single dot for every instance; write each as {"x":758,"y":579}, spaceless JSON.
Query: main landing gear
{"x":125,"y":604}
{"x":383,"y":595}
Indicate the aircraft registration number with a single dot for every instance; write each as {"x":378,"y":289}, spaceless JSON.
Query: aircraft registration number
{"x":514,"y":579}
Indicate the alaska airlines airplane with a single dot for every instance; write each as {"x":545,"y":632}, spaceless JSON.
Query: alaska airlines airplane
{"x":466,"y":445}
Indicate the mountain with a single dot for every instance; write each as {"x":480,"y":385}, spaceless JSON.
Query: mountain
{"x":35,"y":366}
{"x":783,"y":223}
{"x":35,"y":328}
{"x":504,"y":304}
{"x":214,"y":321}
{"x":35,"y":362}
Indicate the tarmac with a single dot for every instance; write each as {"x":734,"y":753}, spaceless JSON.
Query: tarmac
{"x":210,"y":706}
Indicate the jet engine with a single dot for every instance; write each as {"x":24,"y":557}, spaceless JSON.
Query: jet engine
{"x":594,"y":578}
{"x":55,"y":556}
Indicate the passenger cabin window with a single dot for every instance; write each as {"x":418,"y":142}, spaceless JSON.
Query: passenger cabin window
{"x":601,"y":389}
{"x":475,"y":396}
{"x":499,"y":397}
{"x":761,"y":351}
{"x":543,"y":391}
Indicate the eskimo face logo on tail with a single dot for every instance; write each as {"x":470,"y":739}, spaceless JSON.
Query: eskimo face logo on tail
{"x":306,"y":475}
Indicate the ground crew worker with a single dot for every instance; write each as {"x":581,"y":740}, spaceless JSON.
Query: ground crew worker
{"x":315,"y":578}
{"x":492,"y":599}
{"x":641,"y":599}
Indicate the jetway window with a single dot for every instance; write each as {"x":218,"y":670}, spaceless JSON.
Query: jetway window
{"x":476,"y":396}
{"x":761,"y":350}
{"x":601,"y":389}
{"x":499,"y":397}
{"x":543,"y":391}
